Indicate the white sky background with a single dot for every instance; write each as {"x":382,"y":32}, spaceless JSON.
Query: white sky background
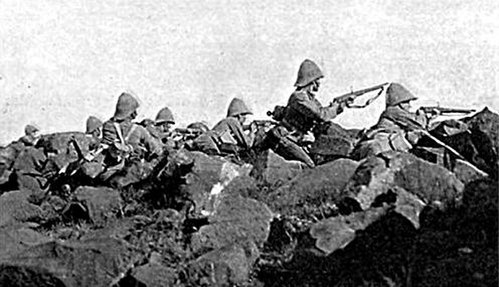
{"x":61,"y":61}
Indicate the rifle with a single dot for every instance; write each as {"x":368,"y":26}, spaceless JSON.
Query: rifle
{"x":260,"y":123}
{"x":442,"y":144}
{"x":350,"y":97}
{"x":186,"y":133}
{"x":445,"y":111}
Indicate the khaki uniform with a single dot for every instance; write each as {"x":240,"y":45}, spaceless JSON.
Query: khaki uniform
{"x":137,"y":137}
{"x":301,"y":114}
{"x":394,"y":131}
{"x":226,"y":137}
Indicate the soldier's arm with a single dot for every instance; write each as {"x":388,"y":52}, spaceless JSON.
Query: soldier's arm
{"x":152,"y":144}
{"x":108,"y":133}
{"x":315,"y":109}
{"x":237,"y":130}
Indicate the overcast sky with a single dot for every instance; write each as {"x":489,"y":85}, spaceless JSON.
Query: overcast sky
{"x":61,"y":61}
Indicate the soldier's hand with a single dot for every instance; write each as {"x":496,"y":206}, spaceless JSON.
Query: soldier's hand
{"x":338,"y":106}
{"x":253,"y":127}
{"x":89,"y":156}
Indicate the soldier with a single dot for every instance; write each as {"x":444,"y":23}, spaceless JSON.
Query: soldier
{"x":94,"y":127}
{"x":94,"y":131}
{"x":302,"y":113}
{"x":122,"y":139}
{"x":163,"y":124}
{"x":227,"y":136}
{"x":31,"y":135}
{"x":397,"y":129}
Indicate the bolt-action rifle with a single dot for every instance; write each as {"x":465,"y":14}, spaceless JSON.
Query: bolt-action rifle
{"x":349,"y":98}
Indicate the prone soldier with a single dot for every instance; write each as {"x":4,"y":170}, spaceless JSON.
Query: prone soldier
{"x":227,"y":136}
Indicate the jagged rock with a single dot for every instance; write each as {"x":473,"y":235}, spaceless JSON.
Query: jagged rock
{"x":466,"y":173}
{"x":481,"y":146}
{"x":16,"y":238}
{"x":227,"y":266}
{"x":312,"y":190}
{"x":209,"y":176}
{"x":245,"y":186}
{"x":429,"y":182}
{"x":486,"y":122}
{"x":409,"y":205}
{"x":481,"y":202}
{"x":332,"y":143}
{"x":28,"y":166}
{"x":100,"y":203}
{"x":273,"y":170}
{"x":15,"y":207}
{"x":89,"y":263}
{"x":336,"y":232}
{"x":59,"y":143}
{"x":20,"y":276}
{"x":236,"y":219}
{"x":150,"y":275}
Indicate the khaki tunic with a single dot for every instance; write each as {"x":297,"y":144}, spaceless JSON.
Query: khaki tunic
{"x":396,"y":130}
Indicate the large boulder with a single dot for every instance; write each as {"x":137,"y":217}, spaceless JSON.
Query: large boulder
{"x":151,"y":274}
{"x":337,"y":232}
{"x":273,"y":170}
{"x":484,"y":129}
{"x":90,"y":263}
{"x":227,"y":266}
{"x":398,"y":173}
{"x":28,"y":167}
{"x":15,"y":207}
{"x":207,"y":178}
{"x":236,"y":220}
{"x":99,"y":203}
{"x":20,"y":276}
{"x":332,"y":142}
{"x":480,"y":201}
{"x":313,"y":192}
{"x":60,"y":143}
{"x":16,"y":238}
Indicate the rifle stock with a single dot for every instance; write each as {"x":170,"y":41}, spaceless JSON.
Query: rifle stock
{"x":260,"y":123}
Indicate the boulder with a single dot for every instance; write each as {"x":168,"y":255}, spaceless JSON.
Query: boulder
{"x":227,"y":266}
{"x":15,"y":207}
{"x":16,"y":238}
{"x":480,"y":202}
{"x":88,"y":263}
{"x":208,"y":177}
{"x":337,"y":232}
{"x":59,"y":143}
{"x":21,"y":276}
{"x":28,"y":167}
{"x":101,"y":203}
{"x":332,"y":142}
{"x":150,"y":275}
{"x":273,"y":170}
{"x":314,"y":191}
{"x":236,"y":220}
{"x":466,"y":172}
{"x":429,"y":182}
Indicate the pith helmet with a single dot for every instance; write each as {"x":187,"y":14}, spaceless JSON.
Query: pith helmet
{"x":30,"y":129}
{"x":93,"y":123}
{"x":238,"y":107}
{"x":308,"y":72}
{"x":164,"y":116}
{"x":396,"y":94}
{"x":126,"y":105}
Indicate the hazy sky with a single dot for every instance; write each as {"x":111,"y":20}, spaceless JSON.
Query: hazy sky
{"x":61,"y":61}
